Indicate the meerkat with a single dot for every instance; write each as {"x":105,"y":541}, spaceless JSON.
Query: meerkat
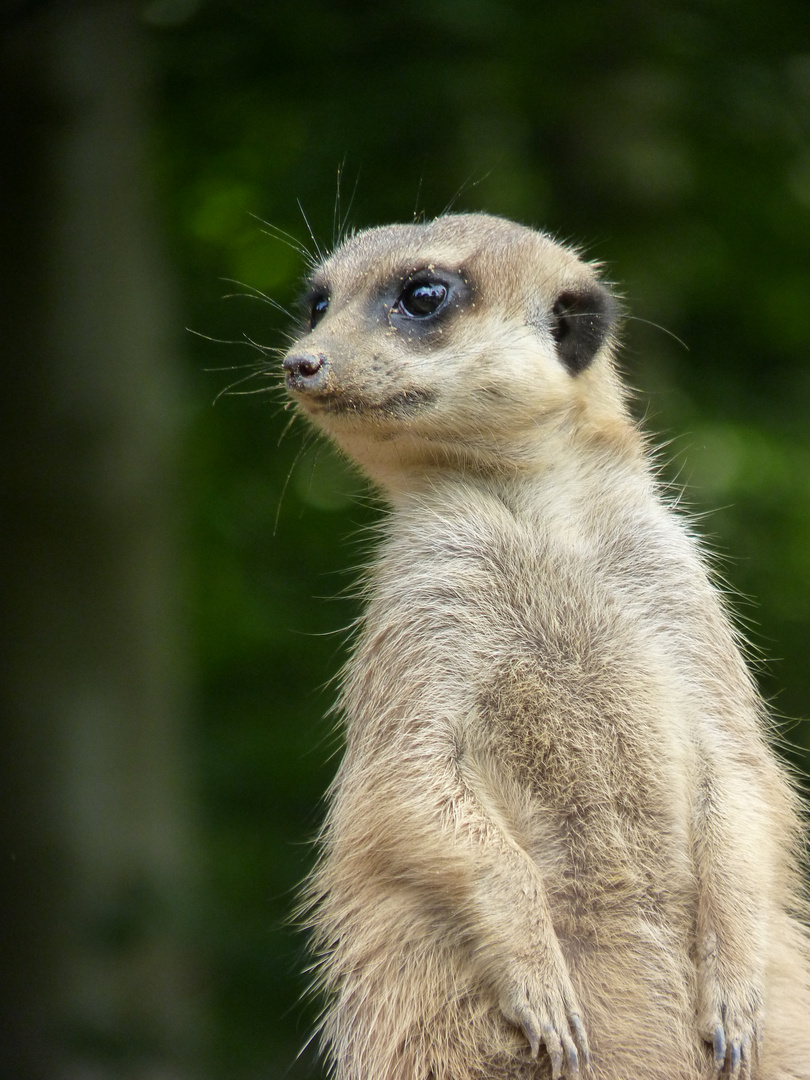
{"x":559,"y":843}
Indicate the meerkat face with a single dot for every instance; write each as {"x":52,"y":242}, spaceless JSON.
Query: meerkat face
{"x":458,"y":337}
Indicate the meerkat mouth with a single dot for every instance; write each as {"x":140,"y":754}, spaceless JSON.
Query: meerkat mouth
{"x":401,"y":404}
{"x":310,"y":376}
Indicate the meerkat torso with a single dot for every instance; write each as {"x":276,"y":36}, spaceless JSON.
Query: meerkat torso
{"x":558,"y":843}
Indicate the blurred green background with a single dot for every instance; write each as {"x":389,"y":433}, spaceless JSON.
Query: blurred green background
{"x":178,"y":565}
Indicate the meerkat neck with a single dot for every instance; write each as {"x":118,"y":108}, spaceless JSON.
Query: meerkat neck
{"x":555,"y":466}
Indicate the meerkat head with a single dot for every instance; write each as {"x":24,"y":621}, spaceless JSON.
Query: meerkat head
{"x":465,"y":342}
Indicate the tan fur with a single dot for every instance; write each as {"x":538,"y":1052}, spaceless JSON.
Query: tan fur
{"x":558,"y":825}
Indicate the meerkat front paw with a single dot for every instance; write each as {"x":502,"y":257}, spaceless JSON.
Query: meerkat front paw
{"x":731,"y":1022}
{"x":546,"y":1010}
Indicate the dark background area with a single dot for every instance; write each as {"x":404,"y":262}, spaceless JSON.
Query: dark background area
{"x":177,"y":556}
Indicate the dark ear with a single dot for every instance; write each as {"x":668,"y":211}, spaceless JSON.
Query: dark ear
{"x":581,"y":319}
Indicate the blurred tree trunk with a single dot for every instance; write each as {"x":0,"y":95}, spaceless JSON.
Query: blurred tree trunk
{"x":96,"y":838}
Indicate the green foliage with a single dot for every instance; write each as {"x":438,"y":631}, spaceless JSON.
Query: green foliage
{"x":671,"y":140}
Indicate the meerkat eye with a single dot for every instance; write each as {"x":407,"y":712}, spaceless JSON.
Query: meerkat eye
{"x":317,"y":310}
{"x":421,"y":299}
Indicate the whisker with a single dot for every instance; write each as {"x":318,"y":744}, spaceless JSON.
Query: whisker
{"x":466,"y":185}
{"x":292,"y":242}
{"x":305,"y":444}
{"x":657,"y":326}
{"x":231,"y":392}
{"x":336,"y":210}
{"x":344,"y":225}
{"x":311,"y":233}
{"x":252,"y":293}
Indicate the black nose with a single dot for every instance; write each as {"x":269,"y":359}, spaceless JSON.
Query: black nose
{"x":305,"y":369}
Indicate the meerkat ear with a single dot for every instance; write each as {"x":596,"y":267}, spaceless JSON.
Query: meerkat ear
{"x":581,"y":321}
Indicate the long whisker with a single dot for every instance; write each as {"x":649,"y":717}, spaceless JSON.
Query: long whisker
{"x":311,"y":233}
{"x":291,"y":241}
{"x":252,"y":293}
{"x":657,"y":326}
{"x":344,"y":225}
{"x":230,"y":391}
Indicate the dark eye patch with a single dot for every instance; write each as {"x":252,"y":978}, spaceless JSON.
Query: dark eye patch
{"x":421,"y":299}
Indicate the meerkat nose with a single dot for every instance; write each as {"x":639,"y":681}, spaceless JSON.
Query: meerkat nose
{"x":305,"y":370}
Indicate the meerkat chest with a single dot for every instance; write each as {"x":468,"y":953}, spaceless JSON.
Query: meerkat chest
{"x":504,"y":657}
{"x":516,"y":636}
